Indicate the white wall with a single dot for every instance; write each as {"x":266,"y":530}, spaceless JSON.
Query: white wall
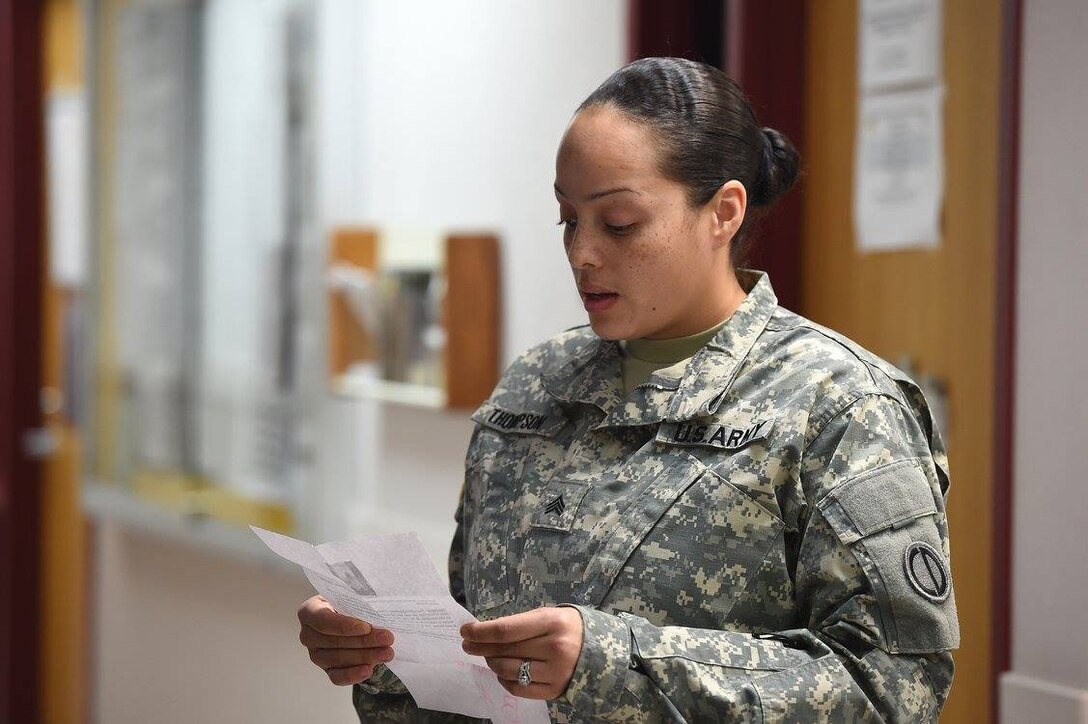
{"x":472,"y":104}
{"x":432,"y":114}
{"x":1049,"y":681}
{"x":185,"y":636}
{"x":447,"y":115}
{"x":467,"y":107}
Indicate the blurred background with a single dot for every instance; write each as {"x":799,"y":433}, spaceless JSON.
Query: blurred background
{"x":260,"y":260}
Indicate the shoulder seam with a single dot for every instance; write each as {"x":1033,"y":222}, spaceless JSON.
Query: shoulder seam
{"x":815,"y":328}
{"x":854,"y":400}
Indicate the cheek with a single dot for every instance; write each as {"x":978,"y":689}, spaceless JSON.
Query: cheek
{"x":655,"y":271}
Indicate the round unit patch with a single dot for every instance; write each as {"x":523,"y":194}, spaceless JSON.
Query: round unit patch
{"x":926,"y":571}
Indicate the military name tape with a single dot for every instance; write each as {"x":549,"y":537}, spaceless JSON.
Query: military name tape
{"x":711,"y":435}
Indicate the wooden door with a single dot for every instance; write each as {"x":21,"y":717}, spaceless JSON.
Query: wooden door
{"x":64,"y":632}
{"x":938,"y":307}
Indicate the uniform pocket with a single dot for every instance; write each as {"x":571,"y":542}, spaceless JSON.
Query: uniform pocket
{"x":888,"y":518}
{"x":491,"y":481}
{"x":631,"y":520}
{"x":494,"y":467}
{"x":686,"y":535}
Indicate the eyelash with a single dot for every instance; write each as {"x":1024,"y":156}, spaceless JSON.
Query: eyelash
{"x":613,"y":229}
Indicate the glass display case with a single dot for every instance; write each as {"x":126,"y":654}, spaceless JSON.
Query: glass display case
{"x":414,"y":316}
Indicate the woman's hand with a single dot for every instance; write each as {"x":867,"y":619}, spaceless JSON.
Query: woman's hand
{"x":549,"y":638}
{"x":345,"y":647}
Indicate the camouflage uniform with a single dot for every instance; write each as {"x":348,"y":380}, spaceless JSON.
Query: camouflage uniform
{"x":757,"y":534}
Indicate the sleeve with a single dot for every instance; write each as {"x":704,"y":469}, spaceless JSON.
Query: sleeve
{"x":383,"y":697}
{"x":872,"y":585}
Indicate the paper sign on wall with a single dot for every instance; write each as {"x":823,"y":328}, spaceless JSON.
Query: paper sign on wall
{"x":899,"y":170}
{"x":899,"y":152}
{"x":66,"y":137}
{"x":900,"y":43}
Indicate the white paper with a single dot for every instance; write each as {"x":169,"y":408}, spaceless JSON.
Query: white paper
{"x":391,"y":582}
{"x":899,"y":170}
{"x":900,"y":43}
{"x":66,"y":137}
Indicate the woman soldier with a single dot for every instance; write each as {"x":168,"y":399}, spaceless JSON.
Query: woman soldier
{"x":703,"y":507}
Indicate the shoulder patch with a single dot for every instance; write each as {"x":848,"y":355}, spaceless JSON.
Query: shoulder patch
{"x":926,"y":571}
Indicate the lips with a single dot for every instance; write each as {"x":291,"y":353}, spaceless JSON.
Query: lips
{"x":597,"y":299}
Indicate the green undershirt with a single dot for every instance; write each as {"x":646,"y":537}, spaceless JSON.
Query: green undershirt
{"x":643,"y":357}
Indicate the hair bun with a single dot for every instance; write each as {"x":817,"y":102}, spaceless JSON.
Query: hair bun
{"x":778,"y":169}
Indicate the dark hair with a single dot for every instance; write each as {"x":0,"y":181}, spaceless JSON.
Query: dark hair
{"x":708,"y":129}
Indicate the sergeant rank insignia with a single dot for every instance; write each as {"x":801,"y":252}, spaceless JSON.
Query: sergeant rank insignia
{"x":556,"y":505}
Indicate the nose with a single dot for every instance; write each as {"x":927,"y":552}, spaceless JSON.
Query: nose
{"x":582,"y":251}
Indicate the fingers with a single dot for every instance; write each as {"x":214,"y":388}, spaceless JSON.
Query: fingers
{"x":519,"y":627}
{"x":550,"y":639}
{"x":349,"y":658}
{"x":319,"y":615}
{"x":313,"y":639}
{"x":508,"y":669}
{"x":532,"y":691}
{"x":351,"y":675}
{"x":541,"y":648}
{"x":554,"y":645}
{"x":545,"y":679}
{"x":346,"y":648}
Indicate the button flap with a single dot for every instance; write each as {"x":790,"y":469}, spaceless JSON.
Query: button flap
{"x":656,"y":494}
{"x":882,"y":498}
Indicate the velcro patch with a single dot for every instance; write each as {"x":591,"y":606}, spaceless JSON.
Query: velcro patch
{"x":713,"y":435}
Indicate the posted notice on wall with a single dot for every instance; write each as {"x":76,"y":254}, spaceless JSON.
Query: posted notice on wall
{"x":900,"y":43}
{"x":390,"y":581}
{"x":899,"y":170}
{"x":66,"y":139}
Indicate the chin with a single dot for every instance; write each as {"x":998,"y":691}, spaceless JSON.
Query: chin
{"x":609,"y":329}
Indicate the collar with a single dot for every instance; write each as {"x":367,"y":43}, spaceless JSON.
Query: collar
{"x":668,"y":352}
{"x":592,"y":374}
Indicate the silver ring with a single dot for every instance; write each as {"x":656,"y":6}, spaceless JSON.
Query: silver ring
{"x":524,"y":679}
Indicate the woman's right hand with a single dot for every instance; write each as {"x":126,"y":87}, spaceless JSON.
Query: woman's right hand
{"x":346,"y":648}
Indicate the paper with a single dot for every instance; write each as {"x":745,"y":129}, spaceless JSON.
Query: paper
{"x":900,"y":43}
{"x":66,"y":136}
{"x":899,"y":171}
{"x":391,"y":582}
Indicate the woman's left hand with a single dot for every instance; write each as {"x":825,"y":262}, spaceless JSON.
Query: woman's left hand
{"x":549,"y":638}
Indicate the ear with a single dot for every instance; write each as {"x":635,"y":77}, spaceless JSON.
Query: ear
{"x":727,"y":209}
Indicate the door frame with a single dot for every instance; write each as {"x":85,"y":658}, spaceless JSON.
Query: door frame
{"x":770,"y":69}
{"x":1005,"y":338}
{"x":21,"y":260}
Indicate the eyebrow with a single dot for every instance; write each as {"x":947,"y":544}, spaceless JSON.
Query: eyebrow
{"x":599,"y":194}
